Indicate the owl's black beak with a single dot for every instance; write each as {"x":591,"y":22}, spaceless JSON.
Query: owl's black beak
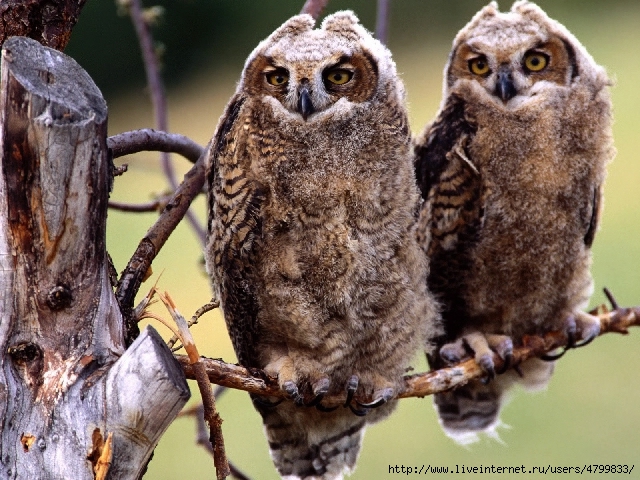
{"x":305,"y":105}
{"x":505,"y":88}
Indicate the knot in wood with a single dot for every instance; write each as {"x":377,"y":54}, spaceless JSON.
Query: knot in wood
{"x":25,"y":353}
{"x":59,"y":297}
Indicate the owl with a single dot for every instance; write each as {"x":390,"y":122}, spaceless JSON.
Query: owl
{"x":511,"y":171}
{"x":312,"y":247}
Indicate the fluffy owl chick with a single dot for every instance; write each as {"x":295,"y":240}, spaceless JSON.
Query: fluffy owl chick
{"x":512,"y":172}
{"x":312,"y":249}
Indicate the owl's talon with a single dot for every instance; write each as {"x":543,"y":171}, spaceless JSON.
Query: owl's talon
{"x":571,"y":331}
{"x":486,"y":363}
{"x":503,"y":346}
{"x":454,"y":352}
{"x":263,"y":402}
{"x":357,"y":411}
{"x":292,"y":390}
{"x":588,"y":327}
{"x":552,"y":357}
{"x":320,"y":389}
{"x":352,"y":386}
{"x":586,"y":342}
{"x":387,"y":394}
{"x":506,"y":365}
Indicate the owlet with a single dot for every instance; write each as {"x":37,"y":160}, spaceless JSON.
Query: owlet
{"x":312,"y":249}
{"x":511,"y":172}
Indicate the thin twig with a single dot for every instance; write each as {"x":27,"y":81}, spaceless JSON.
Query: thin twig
{"x":148,"y":139}
{"x":210,"y":414}
{"x":207,"y":307}
{"x":202,"y":437}
{"x":154,"y":81}
{"x":314,"y":7}
{"x":158,"y":99}
{"x":153,"y":206}
{"x":382,"y":21}
{"x":257,"y":382}
{"x":148,"y":248}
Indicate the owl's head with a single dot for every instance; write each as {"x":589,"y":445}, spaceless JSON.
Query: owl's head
{"x":517,"y":55}
{"x":309,"y":71}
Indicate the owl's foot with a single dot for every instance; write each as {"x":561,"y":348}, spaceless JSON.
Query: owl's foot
{"x":581,"y":328}
{"x":319,"y":389}
{"x":292,"y":390}
{"x":352,"y":386}
{"x":364,"y":408}
{"x":482,"y":346}
{"x":381,"y":396}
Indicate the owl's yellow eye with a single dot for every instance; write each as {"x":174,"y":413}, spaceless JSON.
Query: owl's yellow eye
{"x":278,"y":77}
{"x":338,"y":76}
{"x":534,"y":61}
{"x":479,"y":66}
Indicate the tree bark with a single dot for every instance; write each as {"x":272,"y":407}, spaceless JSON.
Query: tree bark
{"x":50,"y":22}
{"x":73,"y":403}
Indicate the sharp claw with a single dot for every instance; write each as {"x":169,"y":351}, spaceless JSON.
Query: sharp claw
{"x":486,"y":363}
{"x":452,"y":353}
{"x":292,"y":390}
{"x":322,"y":408}
{"x":387,"y":394}
{"x":586,"y":342}
{"x":590,"y":331}
{"x":506,"y":365}
{"x":358,"y":412}
{"x":504,"y":349}
{"x":352,"y":386}
{"x":320,"y":389}
{"x":263,"y":402}
{"x":571,"y":330}
{"x":552,"y":357}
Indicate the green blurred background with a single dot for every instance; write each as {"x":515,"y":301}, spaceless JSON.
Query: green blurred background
{"x":590,"y":413}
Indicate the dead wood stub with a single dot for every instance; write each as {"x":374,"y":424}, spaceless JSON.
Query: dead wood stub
{"x":64,"y":371}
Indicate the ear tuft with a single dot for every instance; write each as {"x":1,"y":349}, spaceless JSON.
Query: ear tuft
{"x":343,"y":22}
{"x":294,"y":26}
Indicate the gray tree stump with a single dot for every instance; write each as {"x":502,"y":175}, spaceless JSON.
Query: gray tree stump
{"x":73,"y":403}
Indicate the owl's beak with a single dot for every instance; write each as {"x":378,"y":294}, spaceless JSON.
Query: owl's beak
{"x":305,"y":105}
{"x":505,"y":88}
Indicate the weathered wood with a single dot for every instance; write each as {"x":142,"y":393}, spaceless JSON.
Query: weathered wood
{"x":71,"y":399}
{"x":49,"y":22}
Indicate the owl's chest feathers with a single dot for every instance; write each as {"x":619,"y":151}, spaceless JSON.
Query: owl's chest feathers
{"x":530,"y":168}
{"x":531,"y":243}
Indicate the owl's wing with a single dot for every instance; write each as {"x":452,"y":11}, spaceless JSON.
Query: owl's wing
{"x":454,"y":194}
{"x":450,"y":183}
{"x":235,"y":223}
{"x":593,"y":216}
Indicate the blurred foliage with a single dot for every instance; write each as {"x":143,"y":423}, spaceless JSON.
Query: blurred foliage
{"x":589,"y":413}
{"x":219,"y":34}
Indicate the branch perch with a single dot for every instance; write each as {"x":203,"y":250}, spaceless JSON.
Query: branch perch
{"x":257,"y":382}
